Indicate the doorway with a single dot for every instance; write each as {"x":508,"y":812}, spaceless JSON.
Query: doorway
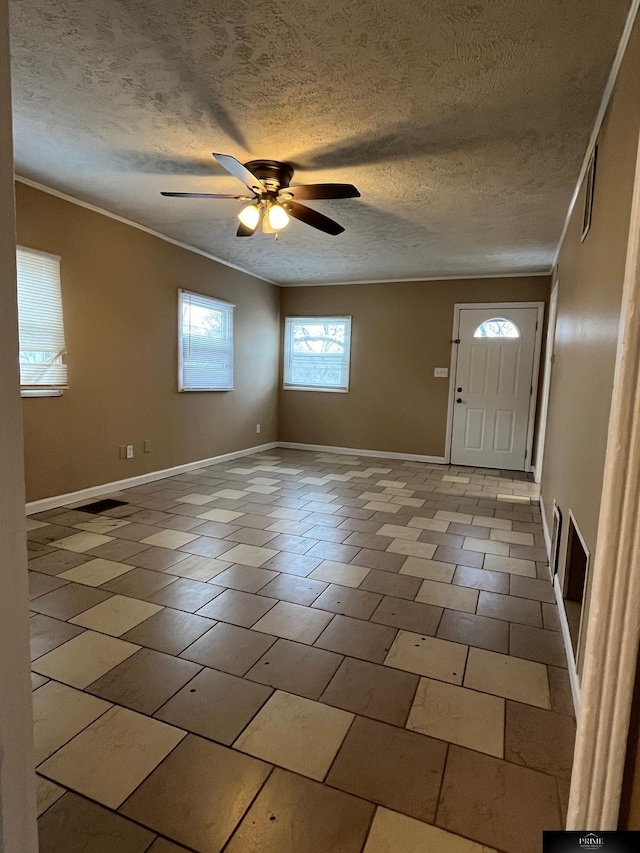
{"x":494,"y":384}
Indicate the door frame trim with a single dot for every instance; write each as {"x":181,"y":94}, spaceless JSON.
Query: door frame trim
{"x":549,"y":357}
{"x":537,"y":350}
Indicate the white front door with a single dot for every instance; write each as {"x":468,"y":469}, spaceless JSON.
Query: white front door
{"x":493,"y":387}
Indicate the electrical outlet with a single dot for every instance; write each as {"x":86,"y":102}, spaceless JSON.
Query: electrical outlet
{"x":129,"y":451}
{"x":147,"y":446}
{"x":122,"y":451}
{"x":257,"y":427}
{"x":441,"y":372}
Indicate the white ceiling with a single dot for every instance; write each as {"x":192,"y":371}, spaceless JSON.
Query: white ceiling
{"x":463,"y":124}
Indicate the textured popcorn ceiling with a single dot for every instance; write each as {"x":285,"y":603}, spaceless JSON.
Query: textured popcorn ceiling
{"x":463,"y":124}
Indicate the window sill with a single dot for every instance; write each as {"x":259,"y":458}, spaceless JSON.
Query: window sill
{"x":204,"y":390}
{"x":307,"y":388}
{"x":41,"y":392}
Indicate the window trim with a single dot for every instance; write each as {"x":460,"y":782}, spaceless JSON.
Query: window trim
{"x":288,"y":323}
{"x":225,"y":304}
{"x":29,"y":391}
{"x":33,"y":391}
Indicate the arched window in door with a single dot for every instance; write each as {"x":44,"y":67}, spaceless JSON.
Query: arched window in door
{"x":497,"y":327}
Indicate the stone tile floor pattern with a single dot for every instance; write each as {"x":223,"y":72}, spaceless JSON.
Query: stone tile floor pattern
{"x":299,"y":652}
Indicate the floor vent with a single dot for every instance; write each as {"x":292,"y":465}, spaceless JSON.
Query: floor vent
{"x":101,"y":506}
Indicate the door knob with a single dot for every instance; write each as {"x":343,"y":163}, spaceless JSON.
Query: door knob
{"x":459,"y":400}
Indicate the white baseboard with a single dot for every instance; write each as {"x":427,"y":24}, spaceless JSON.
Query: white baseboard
{"x":545,"y":531}
{"x":562,"y":615}
{"x":566,"y":636}
{"x":106,"y":488}
{"x":352,"y":451}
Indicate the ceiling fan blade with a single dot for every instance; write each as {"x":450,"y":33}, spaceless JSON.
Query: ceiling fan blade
{"x":312,"y":217}
{"x":311,"y":191}
{"x":206,"y":195}
{"x":235,"y":168}
{"x":246,"y":231}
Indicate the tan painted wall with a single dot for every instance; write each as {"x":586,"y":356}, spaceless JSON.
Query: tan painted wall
{"x":17,"y":788}
{"x":119,"y":292}
{"x":590,"y":277}
{"x":400,"y":333}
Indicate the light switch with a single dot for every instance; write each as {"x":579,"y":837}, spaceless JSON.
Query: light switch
{"x":441,"y":372}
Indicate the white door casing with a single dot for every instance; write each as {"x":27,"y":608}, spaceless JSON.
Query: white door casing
{"x":549,"y":358}
{"x":18,"y":832}
{"x":496,"y":370}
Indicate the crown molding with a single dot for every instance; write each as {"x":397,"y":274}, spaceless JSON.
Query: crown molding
{"x":28,"y":182}
{"x":604,"y":105}
{"x":88,"y":206}
{"x":533,"y":274}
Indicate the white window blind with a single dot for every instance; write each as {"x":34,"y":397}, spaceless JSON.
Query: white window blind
{"x":316,"y":353}
{"x":40,"y":321}
{"x":205,"y":343}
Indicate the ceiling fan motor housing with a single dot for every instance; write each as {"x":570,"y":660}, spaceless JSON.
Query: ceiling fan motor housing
{"x":273,"y":174}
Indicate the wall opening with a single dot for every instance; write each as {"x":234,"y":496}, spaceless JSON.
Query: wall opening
{"x":576,"y":566}
{"x":556,"y":534}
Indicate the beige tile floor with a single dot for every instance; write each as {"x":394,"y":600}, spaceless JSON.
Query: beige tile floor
{"x":300,"y":652}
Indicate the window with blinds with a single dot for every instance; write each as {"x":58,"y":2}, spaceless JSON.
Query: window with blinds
{"x":40,"y":322}
{"x":205,"y":344}
{"x":316,"y":353}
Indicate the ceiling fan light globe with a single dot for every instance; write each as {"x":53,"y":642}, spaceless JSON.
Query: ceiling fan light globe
{"x":278,"y":217}
{"x":250,"y":215}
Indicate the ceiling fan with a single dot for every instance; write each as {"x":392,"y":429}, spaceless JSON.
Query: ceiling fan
{"x":272,"y":199}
